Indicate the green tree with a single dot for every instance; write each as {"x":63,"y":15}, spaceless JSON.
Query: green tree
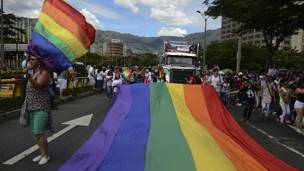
{"x":224,"y":55}
{"x":276,"y":19}
{"x":146,"y":59}
{"x":289,"y":59}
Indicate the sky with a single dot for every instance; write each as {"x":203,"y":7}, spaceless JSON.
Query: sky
{"x":147,"y":18}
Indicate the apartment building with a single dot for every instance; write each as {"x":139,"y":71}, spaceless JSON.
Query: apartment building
{"x":28,"y":25}
{"x":116,"y":48}
{"x":229,"y":29}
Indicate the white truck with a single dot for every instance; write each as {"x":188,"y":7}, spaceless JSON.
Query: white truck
{"x":179,"y":60}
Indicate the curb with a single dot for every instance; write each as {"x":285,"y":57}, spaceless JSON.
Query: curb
{"x":15,"y":113}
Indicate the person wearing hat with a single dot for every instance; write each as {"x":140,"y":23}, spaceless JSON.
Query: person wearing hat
{"x":37,"y":102}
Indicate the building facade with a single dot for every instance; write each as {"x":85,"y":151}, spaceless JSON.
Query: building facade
{"x":297,"y":41}
{"x":229,"y":29}
{"x":116,"y":48}
{"x":26,"y":24}
{"x":14,"y":52}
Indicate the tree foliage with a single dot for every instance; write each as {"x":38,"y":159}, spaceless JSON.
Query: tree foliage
{"x":224,"y":55}
{"x":147,"y":59}
{"x":276,"y":19}
{"x":289,"y":59}
{"x":253,"y":58}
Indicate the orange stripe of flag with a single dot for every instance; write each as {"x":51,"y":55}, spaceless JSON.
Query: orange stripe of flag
{"x":76,"y":16}
{"x":240,"y":158}
{"x":67,"y":22}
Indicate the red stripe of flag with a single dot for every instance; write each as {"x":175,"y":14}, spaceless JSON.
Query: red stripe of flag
{"x":77,"y":16}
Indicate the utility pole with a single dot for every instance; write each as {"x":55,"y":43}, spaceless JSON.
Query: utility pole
{"x":205,"y":44}
{"x":1,"y":39}
{"x":239,"y":54}
{"x":205,"y":37}
{"x":1,"y":42}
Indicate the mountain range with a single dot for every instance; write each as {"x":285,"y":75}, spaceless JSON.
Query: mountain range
{"x":139,"y":44}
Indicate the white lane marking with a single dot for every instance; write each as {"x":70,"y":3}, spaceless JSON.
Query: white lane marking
{"x":82,"y":121}
{"x":276,"y":140}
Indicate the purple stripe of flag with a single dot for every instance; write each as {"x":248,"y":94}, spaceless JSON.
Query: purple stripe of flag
{"x":128,"y":151}
{"x":90,"y":156}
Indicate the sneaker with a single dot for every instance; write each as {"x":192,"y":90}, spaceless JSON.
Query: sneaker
{"x":37,"y":159}
{"x":44,"y":160}
{"x":299,"y":130}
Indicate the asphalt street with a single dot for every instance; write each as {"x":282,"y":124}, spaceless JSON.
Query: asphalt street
{"x":279,"y":139}
{"x":14,"y":139}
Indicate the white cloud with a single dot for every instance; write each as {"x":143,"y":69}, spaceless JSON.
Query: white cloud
{"x":128,"y":4}
{"x":167,"y":11}
{"x":170,"y":31}
{"x":91,"y":18}
{"x":95,"y":8}
{"x":27,"y":8}
{"x":31,"y":8}
{"x":171,"y":16}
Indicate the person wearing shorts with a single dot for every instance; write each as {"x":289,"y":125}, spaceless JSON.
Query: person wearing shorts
{"x":299,"y":106}
{"x":38,"y":121}
{"x":38,"y":104}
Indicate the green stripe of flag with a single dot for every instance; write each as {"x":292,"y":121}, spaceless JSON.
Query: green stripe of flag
{"x":167,"y":148}
{"x":66,"y":50}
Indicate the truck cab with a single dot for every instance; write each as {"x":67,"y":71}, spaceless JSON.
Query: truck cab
{"x":179,"y":60}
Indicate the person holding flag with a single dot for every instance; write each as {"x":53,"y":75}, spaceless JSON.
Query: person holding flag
{"x":61,"y":35}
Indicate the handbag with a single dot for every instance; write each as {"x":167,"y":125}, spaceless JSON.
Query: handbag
{"x":24,"y":115}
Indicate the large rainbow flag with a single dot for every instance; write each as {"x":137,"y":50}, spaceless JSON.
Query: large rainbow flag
{"x":61,"y":35}
{"x":171,"y":127}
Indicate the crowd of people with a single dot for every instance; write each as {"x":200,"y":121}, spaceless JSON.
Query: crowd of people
{"x":278,"y":93}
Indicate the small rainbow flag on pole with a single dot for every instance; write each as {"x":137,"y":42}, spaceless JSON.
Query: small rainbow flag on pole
{"x":126,"y":74}
{"x":61,"y":35}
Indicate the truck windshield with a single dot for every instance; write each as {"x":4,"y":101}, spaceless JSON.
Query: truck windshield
{"x":180,"y":60}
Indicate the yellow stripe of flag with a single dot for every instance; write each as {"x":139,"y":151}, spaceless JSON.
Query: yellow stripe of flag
{"x":207,"y":155}
{"x":62,"y":34}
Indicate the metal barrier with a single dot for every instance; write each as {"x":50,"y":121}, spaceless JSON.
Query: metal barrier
{"x":78,"y":82}
{"x":11,"y":88}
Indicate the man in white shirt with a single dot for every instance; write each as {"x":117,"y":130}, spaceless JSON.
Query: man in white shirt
{"x":116,"y":82}
{"x":216,"y":80}
{"x":91,"y":75}
{"x":267,"y":93}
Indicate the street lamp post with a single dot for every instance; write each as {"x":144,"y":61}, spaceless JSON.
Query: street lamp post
{"x":205,"y":37}
{"x":1,"y":41}
{"x":239,"y":54}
